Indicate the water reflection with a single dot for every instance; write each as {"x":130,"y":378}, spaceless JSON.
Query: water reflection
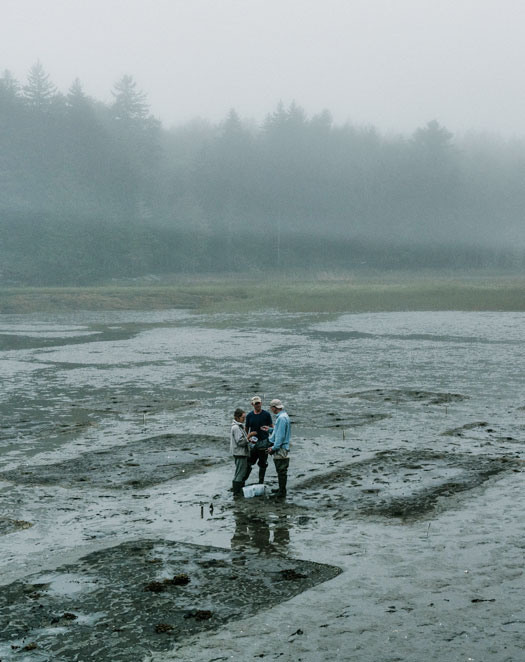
{"x":261,"y":531}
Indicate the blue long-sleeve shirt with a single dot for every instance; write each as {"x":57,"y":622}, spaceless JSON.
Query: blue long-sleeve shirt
{"x":280,"y":437}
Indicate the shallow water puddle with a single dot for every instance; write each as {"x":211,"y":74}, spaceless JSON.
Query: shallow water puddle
{"x":126,"y":601}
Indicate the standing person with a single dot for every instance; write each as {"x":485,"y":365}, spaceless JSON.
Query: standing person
{"x":280,"y":445}
{"x":255,"y":420}
{"x":240,"y":449}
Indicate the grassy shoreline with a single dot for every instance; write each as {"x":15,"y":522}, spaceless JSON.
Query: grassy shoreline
{"x":327,"y":294}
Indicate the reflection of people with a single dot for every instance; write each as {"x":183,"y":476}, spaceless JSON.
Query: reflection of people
{"x":281,"y":532}
{"x":254,"y":421}
{"x":240,"y":449}
{"x":254,"y":531}
{"x":280,"y":445}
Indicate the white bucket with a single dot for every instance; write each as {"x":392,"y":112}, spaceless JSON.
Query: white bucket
{"x":252,"y":491}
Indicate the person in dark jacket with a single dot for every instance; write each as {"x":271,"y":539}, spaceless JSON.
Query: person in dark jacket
{"x":255,"y":420}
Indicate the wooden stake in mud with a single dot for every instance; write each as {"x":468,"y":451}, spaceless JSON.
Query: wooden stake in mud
{"x":144,"y":418}
{"x":344,"y":434}
{"x":202,"y":511}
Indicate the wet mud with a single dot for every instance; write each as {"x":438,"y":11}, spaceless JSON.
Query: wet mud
{"x":139,"y":464}
{"x":121,"y":603}
{"x":343,"y":419}
{"x":400,"y":396}
{"x":406,"y":473}
{"x":397,"y":484}
{"x":11,"y":525}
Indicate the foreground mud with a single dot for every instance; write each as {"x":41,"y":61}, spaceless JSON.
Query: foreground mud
{"x":121,"y":603}
{"x":406,"y":474}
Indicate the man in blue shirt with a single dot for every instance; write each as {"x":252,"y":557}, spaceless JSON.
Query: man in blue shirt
{"x":255,"y":421}
{"x":280,"y":445}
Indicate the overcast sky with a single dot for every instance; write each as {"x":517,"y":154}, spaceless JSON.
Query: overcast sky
{"x":395,"y":64}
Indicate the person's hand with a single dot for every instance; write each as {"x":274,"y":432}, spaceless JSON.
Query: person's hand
{"x":269,"y":451}
{"x":252,"y":434}
{"x":265,"y":428}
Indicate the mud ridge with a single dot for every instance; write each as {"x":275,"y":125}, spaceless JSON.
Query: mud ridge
{"x":139,"y":464}
{"x":399,"y":484}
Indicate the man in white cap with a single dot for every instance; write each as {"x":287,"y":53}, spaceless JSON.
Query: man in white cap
{"x":280,"y":445}
{"x":256,"y":420}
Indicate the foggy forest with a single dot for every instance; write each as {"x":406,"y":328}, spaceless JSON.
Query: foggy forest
{"x":93,"y":191}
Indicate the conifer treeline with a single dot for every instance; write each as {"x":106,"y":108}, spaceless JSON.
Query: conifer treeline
{"x":90,"y":191}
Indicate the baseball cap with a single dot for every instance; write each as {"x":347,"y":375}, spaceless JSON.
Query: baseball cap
{"x":276,"y":403}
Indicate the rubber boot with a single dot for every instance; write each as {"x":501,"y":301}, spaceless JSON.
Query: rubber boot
{"x":237,"y":489}
{"x":281,"y":492}
{"x":262,"y":473}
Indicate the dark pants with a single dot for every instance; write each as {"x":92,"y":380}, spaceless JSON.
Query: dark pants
{"x":281,"y":467}
{"x":241,"y":467}
{"x":259,"y":456}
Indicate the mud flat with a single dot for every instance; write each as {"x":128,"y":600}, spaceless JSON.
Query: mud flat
{"x":121,"y":603}
{"x":397,"y":396}
{"x":397,"y":484}
{"x":139,"y":464}
{"x":406,"y":474}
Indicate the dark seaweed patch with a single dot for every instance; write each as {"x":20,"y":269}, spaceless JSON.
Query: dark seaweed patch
{"x":399,"y":484}
{"x":110,"y":597}
{"x":11,"y":525}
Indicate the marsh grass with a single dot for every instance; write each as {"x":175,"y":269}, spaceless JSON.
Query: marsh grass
{"x":393,"y":292}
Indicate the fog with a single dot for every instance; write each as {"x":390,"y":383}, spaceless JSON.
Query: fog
{"x":202,"y":136}
{"x":396,"y":64}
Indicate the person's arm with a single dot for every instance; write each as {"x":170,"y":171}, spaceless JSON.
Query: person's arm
{"x":241,"y":440}
{"x":277,"y":436}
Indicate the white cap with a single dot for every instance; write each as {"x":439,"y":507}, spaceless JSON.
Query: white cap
{"x":276,"y":403}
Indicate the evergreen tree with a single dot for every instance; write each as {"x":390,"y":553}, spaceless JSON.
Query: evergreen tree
{"x":39,"y":92}
{"x":130,"y":103}
{"x":75,"y":98}
{"x":9,"y":89}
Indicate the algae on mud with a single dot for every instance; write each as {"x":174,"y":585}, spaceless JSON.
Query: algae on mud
{"x":10,"y":525}
{"x":399,"y":484}
{"x":107,"y":607}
